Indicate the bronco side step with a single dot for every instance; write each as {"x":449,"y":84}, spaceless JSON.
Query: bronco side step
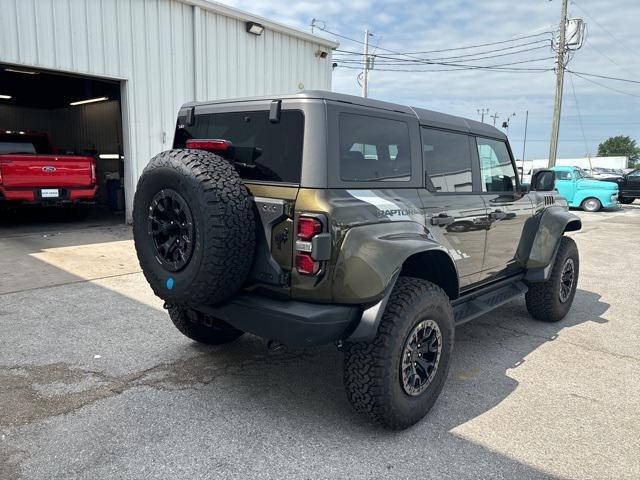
{"x":473,"y":305}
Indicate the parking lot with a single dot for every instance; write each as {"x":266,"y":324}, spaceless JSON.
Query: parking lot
{"x":95,"y":382}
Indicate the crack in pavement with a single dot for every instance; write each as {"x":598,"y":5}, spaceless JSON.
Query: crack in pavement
{"x":35,"y":392}
{"x":74,"y":282}
{"x":556,"y":338}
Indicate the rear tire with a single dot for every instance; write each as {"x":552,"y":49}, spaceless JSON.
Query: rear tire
{"x":591,"y":204}
{"x":202,"y":328}
{"x":378,"y":377}
{"x":626,"y":200}
{"x":550,"y":301}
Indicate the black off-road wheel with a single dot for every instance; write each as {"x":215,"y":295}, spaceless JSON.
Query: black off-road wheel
{"x":626,"y":200}
{"x":193,"y":227}
{"x":396,"y":378}
{"x":550,"y":301}
{"x":202,"y":328}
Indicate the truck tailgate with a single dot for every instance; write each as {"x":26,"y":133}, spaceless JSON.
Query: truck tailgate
{"x":45,"y":170}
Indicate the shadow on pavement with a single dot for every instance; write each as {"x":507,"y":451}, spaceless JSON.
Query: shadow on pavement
{"x":156,"y":399}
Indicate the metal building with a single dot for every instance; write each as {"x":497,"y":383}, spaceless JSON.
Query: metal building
{"x":147,"y":57}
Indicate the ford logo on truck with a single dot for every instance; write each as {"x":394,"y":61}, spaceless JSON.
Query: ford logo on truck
{"x":48,"y":169}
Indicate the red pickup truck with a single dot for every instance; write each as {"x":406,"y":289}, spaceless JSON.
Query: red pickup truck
{"x":31,"y":171}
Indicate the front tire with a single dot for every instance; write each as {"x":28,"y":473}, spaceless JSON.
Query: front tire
{"x":202,"y":328}
{"x":626,"y":200}
{"x":396,"y":378}
{"x":551,"y":300}
{"x":591,"y":204}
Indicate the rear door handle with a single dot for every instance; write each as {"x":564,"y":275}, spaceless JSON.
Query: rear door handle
{"x":498,"y":215}
{"x":442,"y":220}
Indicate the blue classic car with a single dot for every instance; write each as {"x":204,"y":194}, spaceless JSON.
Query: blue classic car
{"x":582,"y":192}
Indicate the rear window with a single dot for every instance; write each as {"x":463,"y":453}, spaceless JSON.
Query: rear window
{"x":24,"y":143}
{"x":265,"y":151}
{"x":374,"y":149}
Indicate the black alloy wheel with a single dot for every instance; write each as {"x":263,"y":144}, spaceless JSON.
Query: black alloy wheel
{"x":170,"y":228}
{"x":566,"y":280}
{"x":420,"y":357}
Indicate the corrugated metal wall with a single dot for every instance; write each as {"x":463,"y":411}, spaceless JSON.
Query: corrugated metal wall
{"x":167,"y":52}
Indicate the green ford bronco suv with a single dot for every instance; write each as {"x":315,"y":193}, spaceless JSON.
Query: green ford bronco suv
{"x":319,"y":217}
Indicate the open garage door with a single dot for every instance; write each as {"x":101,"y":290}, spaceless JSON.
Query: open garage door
{"x":61,"y":148}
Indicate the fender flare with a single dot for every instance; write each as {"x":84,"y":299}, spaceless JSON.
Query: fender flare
{"x":549,"y":226}
{"x":372,"y":255}
{"x":370,"y":262}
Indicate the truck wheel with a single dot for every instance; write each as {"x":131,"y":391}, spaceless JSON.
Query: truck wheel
{"x":396,"y":378}
{"x":202,"y":328}
{"x":193,"y":227}
{"x":626,"y":200}
{"x":591,"y":204}
{"x":551,"y":300}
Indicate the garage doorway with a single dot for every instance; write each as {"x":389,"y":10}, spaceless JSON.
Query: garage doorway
{"x":81,"y":115}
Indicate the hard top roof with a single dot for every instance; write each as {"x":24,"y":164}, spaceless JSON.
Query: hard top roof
{"x":424,"y":116}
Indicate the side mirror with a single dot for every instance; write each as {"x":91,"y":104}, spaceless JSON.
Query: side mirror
{"x":543,"y":181}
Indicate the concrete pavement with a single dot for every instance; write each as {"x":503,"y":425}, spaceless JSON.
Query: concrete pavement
{"x":95,"y":382}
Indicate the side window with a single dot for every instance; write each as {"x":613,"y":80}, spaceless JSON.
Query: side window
{"x":447,"y":158}
{"x":563,"y":175}
{"x":496,"y":170}
{"x":374,"y":149}
{"x":635,"y":174}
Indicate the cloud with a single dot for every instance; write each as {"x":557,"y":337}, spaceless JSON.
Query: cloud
{"x":402,"y":25}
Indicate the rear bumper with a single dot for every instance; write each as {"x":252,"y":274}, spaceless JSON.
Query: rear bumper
{"x":291,"y":322}
{"x":32,"y":195}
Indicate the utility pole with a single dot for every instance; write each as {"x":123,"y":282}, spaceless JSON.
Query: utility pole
{"x":524,"y":144}
{"x":482,"y":112}
{"x":495,"y":116}
{"x":506,"y":123}
{"x":557,"y":107}
{"x":365,"y":66}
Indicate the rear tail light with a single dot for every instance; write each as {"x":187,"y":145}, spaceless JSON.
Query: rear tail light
{"x":311,"y":244}
{"x":308,"y":227}
{"x":306,"y":265}
{"x":93,"y":174}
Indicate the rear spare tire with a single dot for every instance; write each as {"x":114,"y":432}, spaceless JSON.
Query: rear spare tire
{"x":193,"y":227}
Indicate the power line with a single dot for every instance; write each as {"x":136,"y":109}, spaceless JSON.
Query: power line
{"x":575,"y":99}
{"x":461,"y":66}
{"x":468,"y":67}
{"x":353,"y":53}
{"x":605,"y":76}
{"x":597,"y":50}
{"x":604,"y":29}
{"x":483,"y":44}
{"x":383,"y":49}
{"x":466,"y":47}
{"x":399,"y":61}
{"x":606,"y":86}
